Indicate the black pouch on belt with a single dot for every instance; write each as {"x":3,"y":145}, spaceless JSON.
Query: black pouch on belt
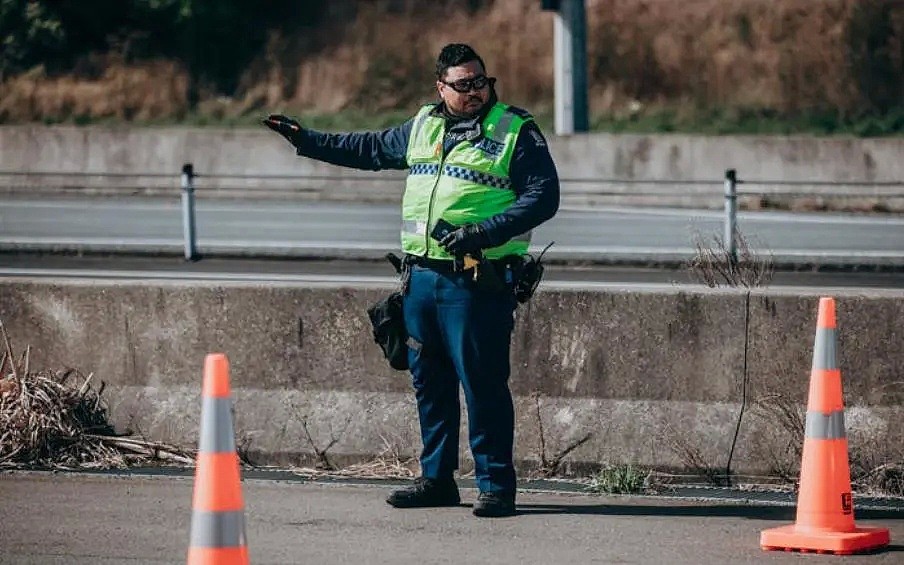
{"x":530,"y":272}
{"x":389,"y":330}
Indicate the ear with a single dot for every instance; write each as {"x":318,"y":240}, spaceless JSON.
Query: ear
{"x":439,"y":88}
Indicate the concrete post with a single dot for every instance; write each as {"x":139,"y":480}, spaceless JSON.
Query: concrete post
{"x":570,"y":47}
{"x":188,"y":212}
{"x":731,"y":214}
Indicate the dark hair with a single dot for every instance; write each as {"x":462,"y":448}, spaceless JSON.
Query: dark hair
{"x":455,"y":54}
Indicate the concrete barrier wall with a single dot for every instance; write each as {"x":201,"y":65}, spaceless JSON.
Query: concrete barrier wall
{"x":654,"y":377}
{"x":582,"y":161}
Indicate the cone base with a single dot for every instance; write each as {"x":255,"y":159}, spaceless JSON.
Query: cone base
{"x":218,"y":555}
{"x":789,"y":538}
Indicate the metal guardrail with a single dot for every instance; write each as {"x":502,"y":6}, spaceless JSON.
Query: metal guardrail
{"x":730,"y":184}
{"x":730,"y":192}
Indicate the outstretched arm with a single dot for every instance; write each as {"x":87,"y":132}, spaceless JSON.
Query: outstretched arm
{"x":372,"y":150}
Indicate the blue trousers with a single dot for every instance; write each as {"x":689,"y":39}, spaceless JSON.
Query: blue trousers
{"x":465,"y":336}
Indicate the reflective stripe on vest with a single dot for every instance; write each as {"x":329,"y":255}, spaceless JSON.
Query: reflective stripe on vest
{"x":469,"y":185}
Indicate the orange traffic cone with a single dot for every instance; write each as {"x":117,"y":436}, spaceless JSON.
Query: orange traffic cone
{"x":218,"y":519}
{"x":825,"y":509}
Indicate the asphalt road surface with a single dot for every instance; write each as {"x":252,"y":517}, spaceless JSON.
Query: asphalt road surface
{"x":91,"y":519}
{"x":347,"y":230}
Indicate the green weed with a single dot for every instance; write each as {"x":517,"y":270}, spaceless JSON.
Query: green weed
{"x":619,"y":479}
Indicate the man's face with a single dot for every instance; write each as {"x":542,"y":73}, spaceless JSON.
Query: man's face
{"x":472,"y":80}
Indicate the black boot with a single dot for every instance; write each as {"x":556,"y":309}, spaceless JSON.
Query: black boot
{"x":426,"y":493}
{"x":495,"y":504}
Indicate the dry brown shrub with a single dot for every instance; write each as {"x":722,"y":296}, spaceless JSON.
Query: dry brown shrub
{"x":58,"y":419}
{"x":777,"y":54}
{"x":714,"y":265}
{"x":784,"y":55}
{"x":142,"y":91}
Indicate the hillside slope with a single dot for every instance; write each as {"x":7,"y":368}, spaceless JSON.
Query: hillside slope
{"x":835,"y":59}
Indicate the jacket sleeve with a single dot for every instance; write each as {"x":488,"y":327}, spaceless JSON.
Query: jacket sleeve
{"x":536,"y":184}
{"x":372,"y":150}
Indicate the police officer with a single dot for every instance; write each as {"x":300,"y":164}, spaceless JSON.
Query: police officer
{"x":482,"y":166}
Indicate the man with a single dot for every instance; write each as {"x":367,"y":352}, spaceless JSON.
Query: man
{"x":483,"y":167}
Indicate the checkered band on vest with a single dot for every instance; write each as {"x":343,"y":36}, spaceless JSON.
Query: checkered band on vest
{"x":477,"y":177}
{"x":462,"y":173}
{"x":423,"y":169}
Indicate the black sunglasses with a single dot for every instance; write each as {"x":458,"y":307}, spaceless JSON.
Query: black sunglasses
{"x":466,"y":85}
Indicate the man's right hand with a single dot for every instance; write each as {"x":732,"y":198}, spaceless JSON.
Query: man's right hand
{"x":285,"y":126}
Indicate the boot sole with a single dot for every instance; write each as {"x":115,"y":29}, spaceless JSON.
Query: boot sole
{"x":417,"y":505}
{"x":441,"y":503}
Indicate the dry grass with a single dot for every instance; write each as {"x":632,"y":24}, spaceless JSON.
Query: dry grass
{"x":876,"y":463}
{"x":784,"y":444}
{"x":692,"y":457}
{"x":783,"y":56}
{"x":777,"y":54}
{"x":714,"y":265}
{"x":391,"y":463}
{"x":876,"y":459}
{"x":551,"y":463}
{"x":149,"y":91}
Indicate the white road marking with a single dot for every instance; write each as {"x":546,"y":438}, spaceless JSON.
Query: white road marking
{"x":789,"y":217}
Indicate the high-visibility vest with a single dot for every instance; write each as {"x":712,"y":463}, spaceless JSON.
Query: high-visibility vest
{"x":469,"y":185}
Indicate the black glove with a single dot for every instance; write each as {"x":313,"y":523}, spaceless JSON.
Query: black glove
{"x":469,"y":238}
{"x":284,"y":126}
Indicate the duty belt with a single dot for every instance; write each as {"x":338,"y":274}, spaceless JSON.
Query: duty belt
{"x":449,"y":265}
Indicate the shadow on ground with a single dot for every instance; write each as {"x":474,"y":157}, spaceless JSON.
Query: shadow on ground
{"x":758,"y":512}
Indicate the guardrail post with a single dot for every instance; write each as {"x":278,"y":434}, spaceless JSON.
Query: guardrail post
{"x":188,"y":212}
{"x":731,"y":214}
